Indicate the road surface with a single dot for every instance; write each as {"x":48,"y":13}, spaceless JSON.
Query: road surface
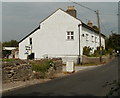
{"x":90,"y":82}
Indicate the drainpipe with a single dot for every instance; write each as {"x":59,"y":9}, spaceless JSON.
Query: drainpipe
{"x":79,"y":46}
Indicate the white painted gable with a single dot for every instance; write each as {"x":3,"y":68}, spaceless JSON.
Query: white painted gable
{"x":51,"y":39}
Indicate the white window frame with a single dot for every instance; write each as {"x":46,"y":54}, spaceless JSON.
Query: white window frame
{"x":70,"y":35}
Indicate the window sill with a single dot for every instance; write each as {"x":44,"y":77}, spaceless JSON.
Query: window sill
{"x":69,"y":39}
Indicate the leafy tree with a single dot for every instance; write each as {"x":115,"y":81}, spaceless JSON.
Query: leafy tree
{"x":113,"y":42}
{"x":12,"y":43}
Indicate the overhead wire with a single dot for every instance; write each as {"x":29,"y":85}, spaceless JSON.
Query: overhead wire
{"x":82,"y":5}
{"x":95,"y":12}
{"x":92,"y":9}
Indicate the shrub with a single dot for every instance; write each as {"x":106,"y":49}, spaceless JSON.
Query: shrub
{"x":104,"y":52}
{"x":86,"y":51}
{"x":96,"y":53}
{"x":110,"y":51}
{"x":41,"y":66}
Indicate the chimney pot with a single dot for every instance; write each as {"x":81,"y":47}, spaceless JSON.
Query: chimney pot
{"x":72,"y":11}
{"x":90,"y":23}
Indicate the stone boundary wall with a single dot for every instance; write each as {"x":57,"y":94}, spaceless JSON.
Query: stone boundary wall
{"x":21,"y":70}
{"x":96,"y":60}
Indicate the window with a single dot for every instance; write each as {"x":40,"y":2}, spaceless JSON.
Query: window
{"x":86,"y":37}
{"x":83,"y":35}
{"x":92,"y":38}
{"x":95,"y":39}
{"x":70,"y":35}
{"x":30,"y":41}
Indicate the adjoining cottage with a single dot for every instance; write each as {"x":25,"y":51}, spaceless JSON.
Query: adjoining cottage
{"x":61,"y":35}
{"x":13,"y":52}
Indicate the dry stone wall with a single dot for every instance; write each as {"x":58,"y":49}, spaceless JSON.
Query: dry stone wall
{"x":21,"y":70}
{"x":16,"y":71}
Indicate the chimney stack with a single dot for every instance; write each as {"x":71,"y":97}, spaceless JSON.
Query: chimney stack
{"x":72,"y":11}
{"x":90,"y":23}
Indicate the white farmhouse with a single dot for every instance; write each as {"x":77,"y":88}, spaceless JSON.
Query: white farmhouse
{"x":61,"y":35}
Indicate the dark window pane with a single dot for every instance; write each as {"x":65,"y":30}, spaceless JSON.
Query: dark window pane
{"x":72,"y":37}
{"x":30,"y":41}
{"x":68,"y":33}
{"x":72,"y":33}
{"x":68,"y":37}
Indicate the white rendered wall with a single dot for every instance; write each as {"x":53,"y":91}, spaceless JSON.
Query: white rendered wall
{"x":93,"y":44}
{"x":103,"y":42}
{"x":51,"y":40}
{"x":24,"y":43}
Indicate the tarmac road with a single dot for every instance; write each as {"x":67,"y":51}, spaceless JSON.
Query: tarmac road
{"x":90,"y":82}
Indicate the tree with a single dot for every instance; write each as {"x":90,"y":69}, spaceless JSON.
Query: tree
{"x":113,"y":42}
{"x":12,"y":43}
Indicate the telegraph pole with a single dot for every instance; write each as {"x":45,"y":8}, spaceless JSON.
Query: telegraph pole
{"x":99,"y":30}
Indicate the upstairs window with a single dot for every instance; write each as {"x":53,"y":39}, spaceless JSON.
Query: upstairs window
{"x":70,"y":35}
{"x":95,"y":39}
{"x":86,"y":37}
{"x":30,"y":39}
{"x":92,"y":38}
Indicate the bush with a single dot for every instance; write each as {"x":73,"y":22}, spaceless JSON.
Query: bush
{"x":104,"y":52}
{"x":42,"y":66}
{"x":86,"y":51}
{"x":97,"y":52}
{"x":110,"y":51}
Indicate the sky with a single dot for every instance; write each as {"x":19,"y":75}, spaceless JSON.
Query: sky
{"x":20,"y":18}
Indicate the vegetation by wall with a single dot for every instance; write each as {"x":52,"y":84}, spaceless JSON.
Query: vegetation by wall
{"x":22,"y":70}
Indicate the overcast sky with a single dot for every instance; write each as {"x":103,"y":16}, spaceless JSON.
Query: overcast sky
{"x":20,"y":18}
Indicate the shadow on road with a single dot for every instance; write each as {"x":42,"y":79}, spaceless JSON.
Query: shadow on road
{"x":49,"y":94}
